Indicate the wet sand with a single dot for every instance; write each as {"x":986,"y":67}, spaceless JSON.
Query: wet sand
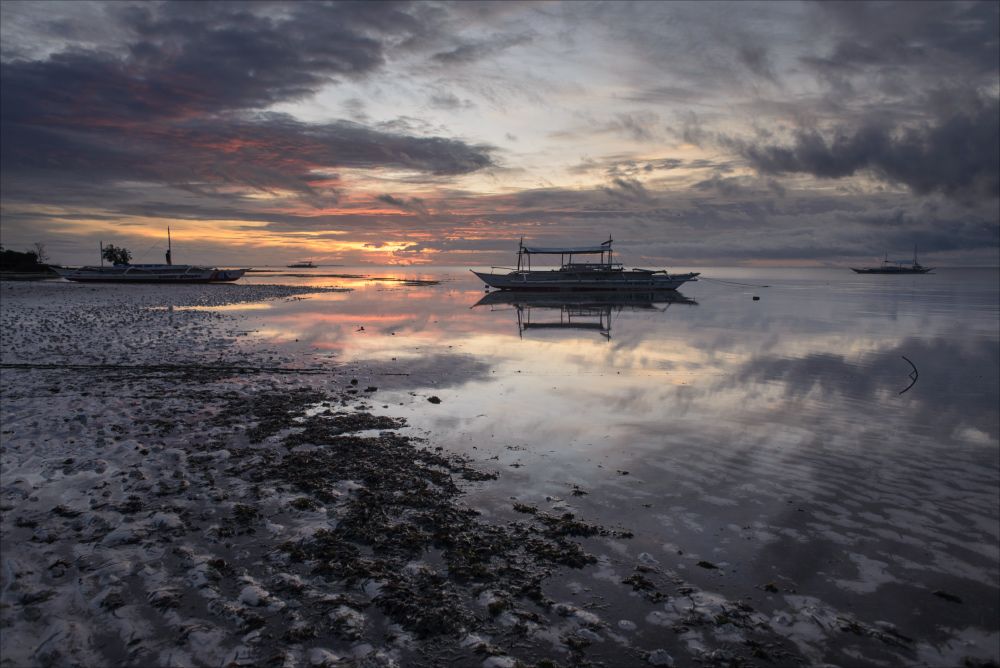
{"x":172,"y":498}
{"x":174,"y":492}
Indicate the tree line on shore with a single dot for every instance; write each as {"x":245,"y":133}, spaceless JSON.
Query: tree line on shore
{"x":36,"y":259}
{"x":31,"y":260}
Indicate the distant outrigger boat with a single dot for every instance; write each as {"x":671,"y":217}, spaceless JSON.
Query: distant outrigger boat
{"x":602,"y":275}
{"x":149,"y":273}
{"x":895,"y":267}
{"x":302,"y":265}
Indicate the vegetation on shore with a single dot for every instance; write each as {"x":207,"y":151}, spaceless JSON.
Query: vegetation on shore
{"x":27,"y":262}
{"x":116,"y":254}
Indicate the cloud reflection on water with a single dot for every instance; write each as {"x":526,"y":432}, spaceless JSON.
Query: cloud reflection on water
{"x":769,"y":436}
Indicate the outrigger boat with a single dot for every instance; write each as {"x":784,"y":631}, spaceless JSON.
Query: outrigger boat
{"x":604,"y":274}
{"x":149,"y":273}
{"x":895,"y":267}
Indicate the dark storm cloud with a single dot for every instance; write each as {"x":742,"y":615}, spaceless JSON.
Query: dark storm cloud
{"x":958,"y":154}
{"x":261,"y":151}
{"x":174,"y":103}
{"x":928,"y":37}
{"x":194,"y":59}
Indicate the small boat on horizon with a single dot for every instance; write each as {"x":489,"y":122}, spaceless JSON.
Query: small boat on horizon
{"x":895,"y":266}
{"x":149,"y":273}
{"x":302,"y":265}
{"x":605,"y":274}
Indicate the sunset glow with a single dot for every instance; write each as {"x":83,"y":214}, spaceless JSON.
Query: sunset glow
{"x":755,"y":134}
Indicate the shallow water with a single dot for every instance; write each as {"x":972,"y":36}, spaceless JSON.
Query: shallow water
{"x":781,"y":469}
{"x":775,"y":438}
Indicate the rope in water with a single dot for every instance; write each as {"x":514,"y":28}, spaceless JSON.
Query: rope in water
{"x":719,"y":280}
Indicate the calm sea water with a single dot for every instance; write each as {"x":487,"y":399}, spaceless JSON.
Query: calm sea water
{"x":783,"y":440}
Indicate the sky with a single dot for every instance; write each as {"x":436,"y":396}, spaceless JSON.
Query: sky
{"x":742,"y":133}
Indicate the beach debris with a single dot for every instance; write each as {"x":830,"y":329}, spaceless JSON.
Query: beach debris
{"x":434,"y":399}
{"x":707,"y":564}
{"x":914,"y":375}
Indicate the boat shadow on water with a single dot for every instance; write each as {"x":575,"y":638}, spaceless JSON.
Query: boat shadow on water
{"x":593,"y":311}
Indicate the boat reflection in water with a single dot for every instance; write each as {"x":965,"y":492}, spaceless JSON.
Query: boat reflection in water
{"x":578,"y":310}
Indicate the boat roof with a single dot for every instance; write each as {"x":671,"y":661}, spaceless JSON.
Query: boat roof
{"x":566,"y":250}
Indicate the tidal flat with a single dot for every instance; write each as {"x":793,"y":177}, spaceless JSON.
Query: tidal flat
{"x":299,"y":475}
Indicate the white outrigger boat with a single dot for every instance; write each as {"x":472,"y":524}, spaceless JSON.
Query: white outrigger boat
{"x":149,"y":273}
{"x":604,"y":274}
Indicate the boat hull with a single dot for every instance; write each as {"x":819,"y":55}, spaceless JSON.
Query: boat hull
{"x":589,"y":281}
{"x":892,"y":271}
{"x":138,"y":274}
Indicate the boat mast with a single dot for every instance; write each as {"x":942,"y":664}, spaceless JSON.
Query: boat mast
{"x":168,"y":246}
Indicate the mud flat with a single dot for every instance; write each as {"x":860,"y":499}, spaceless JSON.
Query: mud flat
{"x":174,"y":494}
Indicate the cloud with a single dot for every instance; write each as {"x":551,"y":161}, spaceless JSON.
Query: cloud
{"x":957,"y":155}
{"x":179,"y":64}
{"x":472,"y":51}
{"x":448,"y":101}
{"x":928,"y":38}
{"x":124,"y":111}
{"x":756,"y":59}
{"x":262,"y":151}
{"x":178,"y":99}
{"x":639,"y":126}
{"x":726,"y":186}
{"x":628,"y":189}
{"x":413,"y":205}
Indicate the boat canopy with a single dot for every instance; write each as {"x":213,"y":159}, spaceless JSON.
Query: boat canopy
{"x":579,"y":250}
